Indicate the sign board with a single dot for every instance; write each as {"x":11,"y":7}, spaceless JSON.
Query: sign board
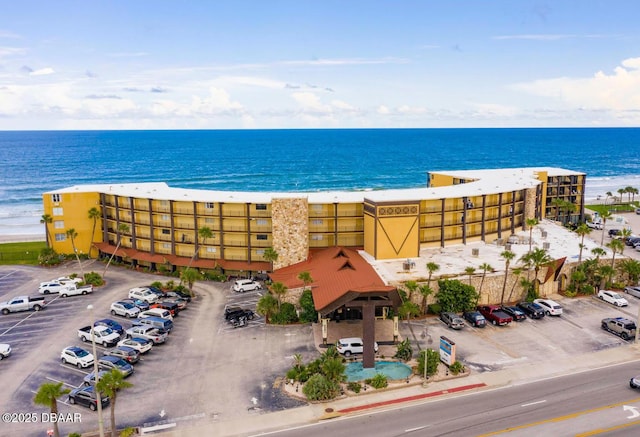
{"x":324,"y":331}
{"x":396,"y":331}
{"x":447,"y":351}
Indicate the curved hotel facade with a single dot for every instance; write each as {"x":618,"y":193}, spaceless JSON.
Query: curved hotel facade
{"x":162,"y":222}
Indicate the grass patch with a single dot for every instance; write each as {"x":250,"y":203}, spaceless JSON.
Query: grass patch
{"x":21,"y":253}
{"x":613,"y":209}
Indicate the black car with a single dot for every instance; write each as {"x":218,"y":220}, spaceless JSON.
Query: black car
{"x":234,"y":313}
{"x":129,"y":354}
{"x":475,"y":318}
{"x":516,"y":313}
{"x":531,"y":309}
{"x":614,"y":232}
{"x":155,"y":290}
{"x":109,"y":323}
{"x":86,"y":396}
{"x":178,"y":295}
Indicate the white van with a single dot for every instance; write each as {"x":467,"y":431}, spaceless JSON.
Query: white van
{"x":156,"y":312}
{"x":242,"y":285}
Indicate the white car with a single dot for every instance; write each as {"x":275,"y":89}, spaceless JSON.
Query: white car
{"x":550,"y":307}
{"x":143,"y":293}
{"x":125,"y":309}
{"x":52,"y":287}
{"x":242,"y":285}
{"x":68,"y":280}
{"x":613,"y":298}
{"x":5,"y":351}
{"x":352,"y":345}
{"x":140,"y":344}
{"x":76,"y":356}
{"x":633,"y":291}
{"x":156,"y":312}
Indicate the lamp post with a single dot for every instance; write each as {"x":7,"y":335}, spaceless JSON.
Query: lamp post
{"x":96,"y":374}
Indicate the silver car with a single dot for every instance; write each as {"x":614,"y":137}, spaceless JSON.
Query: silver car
{"x":633,"y":291}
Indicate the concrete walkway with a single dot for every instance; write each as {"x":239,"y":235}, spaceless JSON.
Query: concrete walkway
{"x":261,"y":423}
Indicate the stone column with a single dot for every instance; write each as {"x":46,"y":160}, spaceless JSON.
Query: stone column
{"x":290,"y":230}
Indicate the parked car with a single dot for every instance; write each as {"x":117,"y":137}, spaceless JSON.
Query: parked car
{"x":148,"y":333}
{"x":452,"y":320}
{"x":613,"y":233}
{"x":475,"y":318}
{"x":5,"y":351}
{"x":76,"y":356}
{"x":620,"y":326}
{"x":140,"y":344}
{"x":182,"y":303}
{"x":635,"y":381}
{"x":127,"y":353}
{"x":242,"y":285}
{"x":613,"y":298}
{"x":68,"y":280}
{"x":172,"y":307}
{"x":22,"y":303}
{"x":353,"y":345}
{"x":550,"y":307}
{"x":100,"y":335}
{"x":143,"y":293}
{"x":495,"y":315}
{"x":86,"y":396}
{"x":163,"y":325}
{"x":124,"y":309}
{"x":531,"y":309}
{"x":108,"y":362}
{"x":156,"y":312}
{"x":516,"y":313}
{"x":115,"y":326}
{"x":143,"y":305}
{"x":178,"y":294}
{"x":633,"y":291}
{"x":234,"y":312}
{"x":52,"y":287}
{"x":90,"y":379}
{"x":156,"y":291}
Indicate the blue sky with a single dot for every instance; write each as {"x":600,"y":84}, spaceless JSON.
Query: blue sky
{"x":322,"y":64}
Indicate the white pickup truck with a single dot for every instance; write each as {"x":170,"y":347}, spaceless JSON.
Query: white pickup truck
{"x":102,"y":334}
{"x":22,"y":303}
{"x":76,"y":291}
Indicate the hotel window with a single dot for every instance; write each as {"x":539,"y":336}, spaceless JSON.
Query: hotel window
{"x":208,"y":205}
{"x":57,"y":211}
{"x":316,"y":222}
{"x":260,"y":252}
{"x":166,"y":245}
{"x":166,"y":231}
{"x":61,"y":237}
{"x":211,"y":249}
{"x":208,"y":220}
{"x":261,"y":207}
{"x":55,"y":198}
{"x":165,"y":217}
{"x":317,"y":237}
{"x":261,"y":222}
{"x":58,"y":224}
{"x":316,"y":207}
{"x":261,"y":237}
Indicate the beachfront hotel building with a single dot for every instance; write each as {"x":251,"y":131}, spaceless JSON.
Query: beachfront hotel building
{"x":455,"y":207}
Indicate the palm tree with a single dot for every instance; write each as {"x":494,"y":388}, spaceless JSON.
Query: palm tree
{"x":609,"y":194}
{"x":94,"y":214}
{"x":628,"y":189}
{"x":469,"y":271}
{"x":604,"y":215}
{"x":485,"y":267}
{"x":46,"y":220}
{"x":279,"y":289}
{"x":568,"y":208}
{"x":557,"y":202}
{"x":48,"y":395}
{"x":508,"y":256}
{"x":536,"y":259}
{"x":432,"y":268}
{"x":204,"y":233}
{"x":616,"y":246}
{"x":270,"y":255}
{"x":122,"y":228}
{"x":633,"y":192}
{"x":72,"y":234}
{"x":598,"y":252}
{"x":531,"y":223}
{"x":109,"y":384}
{"x":189,"y":277}
{"x":425,"y":291}
{"x":407,"y":310}
{"x":582,"y":230}
{"x":621,"y":191}
{"x":411,"y":286}
{"x":267,"y":306}
{"x":517,"y":271}
{"x":631,"y":268}
{"x":306,"y":278}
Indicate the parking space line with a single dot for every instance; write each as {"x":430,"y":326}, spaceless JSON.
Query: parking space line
{"x":74,"y":368}
{"x":8,"y":274}
{"x":56,"y":380}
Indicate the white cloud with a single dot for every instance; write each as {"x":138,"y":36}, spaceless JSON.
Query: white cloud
{"x":383,"y":110}
{"x":42,"y":72}
{"x":9,"y":35}
{"x":11,"y":51}
{"x":619,"y":91}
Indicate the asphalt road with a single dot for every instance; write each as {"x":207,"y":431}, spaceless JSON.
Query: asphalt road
{"x":589,"y":403}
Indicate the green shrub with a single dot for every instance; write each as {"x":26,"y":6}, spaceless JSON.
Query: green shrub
{"x":379,"y":381}
{"x":286,"y":315}
{"x":308,"y":313}
{"x":354,"y":387}
{"x":48,"y":257}
{"x":404,"y":350}
{"x":292,"y":374}
{"x":433,"y":361}
{"x":320,"y":388}
{"x":157,"y":284}
{"x":435,"y":308}
{"x":456,"y":367}
{"x":127,"y":432}
{"x":587,"y":289}
{"x":170,"y":285}
{"x":570,"y":292}
{"x":76,"y":434}
{"x":94,"y":279}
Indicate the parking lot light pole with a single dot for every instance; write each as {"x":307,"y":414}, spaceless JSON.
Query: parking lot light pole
{"x":637,"y":327}
{"x":96,"y":373}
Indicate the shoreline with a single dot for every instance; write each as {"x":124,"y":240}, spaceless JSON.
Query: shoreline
{"x":21,"y":238}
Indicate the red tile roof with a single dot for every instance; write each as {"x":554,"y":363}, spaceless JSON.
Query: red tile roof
{"x":336,"y":272}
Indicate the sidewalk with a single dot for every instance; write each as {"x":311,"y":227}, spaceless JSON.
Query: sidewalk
{"x":261,"y":423}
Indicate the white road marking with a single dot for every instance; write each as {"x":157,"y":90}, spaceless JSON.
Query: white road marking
{"x":533,"y":403}
{"x":415,"y":429}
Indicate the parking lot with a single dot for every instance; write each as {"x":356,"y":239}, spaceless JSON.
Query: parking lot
{"x":210,"y":371}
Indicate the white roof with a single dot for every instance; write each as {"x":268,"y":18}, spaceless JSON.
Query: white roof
{"x":488,"y":182}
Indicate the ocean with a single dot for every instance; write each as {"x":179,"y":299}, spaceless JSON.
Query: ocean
{"x":33,"y":162}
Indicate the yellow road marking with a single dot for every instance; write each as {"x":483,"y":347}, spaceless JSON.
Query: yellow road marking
{"x":613,"y":428}
{"x":560,"y":418}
